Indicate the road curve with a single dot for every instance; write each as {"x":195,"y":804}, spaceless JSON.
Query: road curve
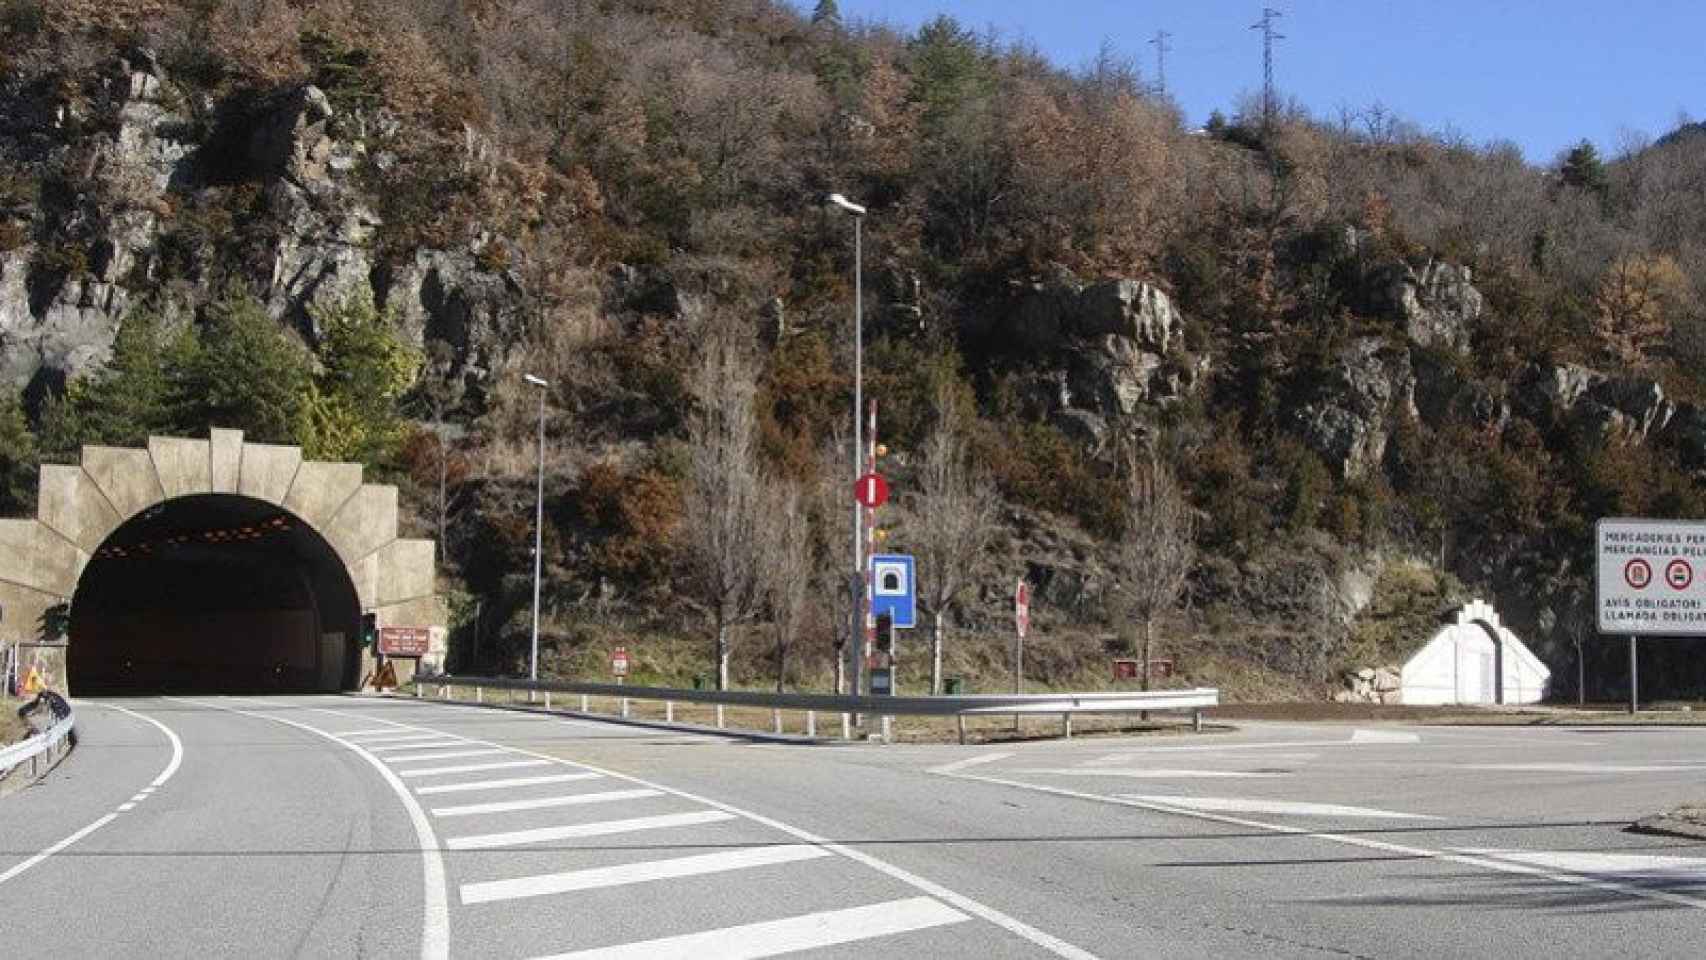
{"x":342,"y":826}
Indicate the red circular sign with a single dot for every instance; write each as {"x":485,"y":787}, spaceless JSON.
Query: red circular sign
{"x":1679,"y":574}
{"x":871,"y":490}
{"x":1637,"y":573}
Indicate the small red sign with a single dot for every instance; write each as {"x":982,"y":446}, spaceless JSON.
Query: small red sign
{"x":1637,"y":573}
{"x":404,"y":641}
{"x":1679,"y":574}
{"x":1022,"y":608}
{"x":619,"y":661}
{"x":871,"y":490}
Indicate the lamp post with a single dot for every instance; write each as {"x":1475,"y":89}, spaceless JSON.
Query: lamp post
{"x":538,"y":529}
{"x":856,"y":647}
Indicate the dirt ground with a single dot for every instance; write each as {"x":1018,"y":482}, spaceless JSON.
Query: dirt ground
{"x":12,"y":729}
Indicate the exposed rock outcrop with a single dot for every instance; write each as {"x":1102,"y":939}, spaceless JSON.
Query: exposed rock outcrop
{"x":1370,"y":383}
{"x":1438,"y":304}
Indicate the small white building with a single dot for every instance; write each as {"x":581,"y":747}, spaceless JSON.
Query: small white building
{"x":1474,"y":659}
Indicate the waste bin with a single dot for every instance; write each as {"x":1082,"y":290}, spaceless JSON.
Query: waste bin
{"x":951,"y":686}
{"x":700,"y":681}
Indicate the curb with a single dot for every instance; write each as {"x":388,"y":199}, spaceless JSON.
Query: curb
{"x":1670,"y":825}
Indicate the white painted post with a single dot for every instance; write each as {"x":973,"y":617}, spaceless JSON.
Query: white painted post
{"x":479,"y":694}
{"x":847,"y":726}
{"x":669,"y":711}
{"x":547,"y":699}
{"x":888,"y":729}
{"x":962,"y":719}
{"x":584,"y":707}
{"x":776,"y":719}
{"x":811,"y":723}
{"x":719,"y":716}
{"x":624,"y":708}
{"x":1196,"y":721}
{"x":1066,"y":726}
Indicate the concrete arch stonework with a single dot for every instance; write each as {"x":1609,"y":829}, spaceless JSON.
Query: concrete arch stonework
{"x":79,"y":506}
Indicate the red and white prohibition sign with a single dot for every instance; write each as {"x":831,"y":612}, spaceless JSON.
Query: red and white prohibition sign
{"x":1638,"y":573}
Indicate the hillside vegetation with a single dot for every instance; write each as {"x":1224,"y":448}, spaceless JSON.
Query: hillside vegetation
{"x":1390,"y":368}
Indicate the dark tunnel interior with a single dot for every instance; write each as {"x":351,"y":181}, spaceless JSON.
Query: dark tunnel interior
{"x":214,"y":593}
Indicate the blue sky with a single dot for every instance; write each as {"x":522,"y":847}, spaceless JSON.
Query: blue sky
{"x":1541,"y":74}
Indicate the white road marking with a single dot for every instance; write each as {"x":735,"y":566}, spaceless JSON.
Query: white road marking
{"x":1287,"y":807}
{"x":405,"y":735}
{"x":1367,"y":843}
{"x":371,"y":731}
{"x":505,"y":783}
{"x":1584,"y":767}
{"x":395,"y":747}
{"x":1384,"y":736}
{"x":970,"y":762}
{"x":435,"y":900}
{"x":126,"y":806}
{"x":473,"y":767}
{"x":774,"y":937}
{"x":604,"y":828}
{"x":1143,"y":774}
{"x":540,"y":803}
{"x":159,"y":779}
{"x":594,"y":878}
{"x":1620,"y":866}
{"x":1013,"y":925}
{"x":445,"y":754}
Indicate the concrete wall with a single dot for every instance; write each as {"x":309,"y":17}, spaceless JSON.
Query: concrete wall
{"x":1463,"y":664}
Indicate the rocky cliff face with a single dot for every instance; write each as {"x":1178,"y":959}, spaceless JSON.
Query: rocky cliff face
{"x":151,"y":158}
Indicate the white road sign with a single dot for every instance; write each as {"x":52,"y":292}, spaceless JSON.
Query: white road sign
{"x":1651,"y":577}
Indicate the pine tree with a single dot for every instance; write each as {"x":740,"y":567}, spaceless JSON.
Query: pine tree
{"x":1582,"y":168}
{"x":827,"y":13}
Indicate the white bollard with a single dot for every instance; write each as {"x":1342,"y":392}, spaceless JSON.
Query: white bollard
{"x":1066,"y":726}
{"x":479,"y":694}
{"x":888,"y":729}
{"x":719,"y":716}
{"x":811,"y":723}
{"x":776,"y":719}
{"x":547,"y":699}
{"x":847,"y":726}
{"x":584,"y":708}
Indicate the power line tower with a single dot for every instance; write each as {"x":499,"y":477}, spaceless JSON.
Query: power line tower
{"x":1269,"y":15}
{"x":1161,"y":48}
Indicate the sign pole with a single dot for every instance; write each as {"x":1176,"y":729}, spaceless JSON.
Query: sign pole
{"x":1634,"y":679}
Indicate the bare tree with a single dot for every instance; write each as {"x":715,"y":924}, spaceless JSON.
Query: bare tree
{"x":786,"y":567}
{"x":832,"y":565}
{"x":953,"y":519}
{"x":721,"y":529}
{"x":1158,"y":549}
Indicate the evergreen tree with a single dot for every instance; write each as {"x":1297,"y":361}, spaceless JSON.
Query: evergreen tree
{"x":17,"y":459}
{"x":351,"y":409}
{"x":827,"y":13}
{"x":131,"y":397}
{"x":1582,"y":168}
{"x":244,"y":371}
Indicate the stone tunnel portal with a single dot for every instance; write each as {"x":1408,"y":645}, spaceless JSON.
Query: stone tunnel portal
{"x":214,"y":593}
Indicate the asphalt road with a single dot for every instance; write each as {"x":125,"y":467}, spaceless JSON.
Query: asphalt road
{"x":338,"y":826}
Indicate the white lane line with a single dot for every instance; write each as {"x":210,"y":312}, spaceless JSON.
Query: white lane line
{"x":164,"y":775}
{"x":435,"y":906}
{"x":1013,"y":925}
{"x":363,"y":733}
{"x":472,"y":768}
{"x":774,"y":937}
{"x":445,"y":754}
{"x":1616,"y":866}
{"x":1420,"y":853}
{"x":405,"y":735}
{"x":1384,"y":736}
{"x":1153,"y":774}
{"x":541,"y":803}
{"x":506,"y":783}
{"x":126,"y":806}
{"x":1287,"y":807}
{"x":970,"y":762}
{"x":395,"y":747}
{"x":595,"y":878}
{"x":1583,"y":767}
{"x":603,"y":828}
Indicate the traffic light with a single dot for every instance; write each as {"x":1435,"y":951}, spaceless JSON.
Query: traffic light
{"x":885,"y":634}
{"x":369,"y":629}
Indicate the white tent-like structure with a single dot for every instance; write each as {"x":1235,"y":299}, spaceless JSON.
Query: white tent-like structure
{"x":1474,"y":659}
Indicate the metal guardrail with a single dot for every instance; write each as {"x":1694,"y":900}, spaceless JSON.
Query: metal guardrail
{"x":38,"y":749}
{"x":1064,"y":705}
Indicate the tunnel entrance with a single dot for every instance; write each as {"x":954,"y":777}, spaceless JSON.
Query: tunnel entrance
{"x":214,"y":593}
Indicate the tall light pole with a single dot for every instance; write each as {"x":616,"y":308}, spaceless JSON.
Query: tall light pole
{"x":538,"y":529}
{"x":856,"y":647}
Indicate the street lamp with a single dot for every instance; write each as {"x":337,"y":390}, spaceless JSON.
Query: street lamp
{"x":857,"y":212}
{"x":538,"y":528}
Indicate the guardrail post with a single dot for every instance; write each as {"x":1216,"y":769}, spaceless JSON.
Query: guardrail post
{"x":479,"y":694}
{"x":1196,"y":720}
{"x":776,"y":719}
{"x":584,"y":705}
{"x":669,"y":711}
{"x":888,"y":729}
{"x":962,"y":719}
{"x":547,"y":699}
{"x":1066,"y":726}
{"x":847,"y":726}
{"x":624,"y":708}
{"x":719,"y":716}
{"x":811,"y":724}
